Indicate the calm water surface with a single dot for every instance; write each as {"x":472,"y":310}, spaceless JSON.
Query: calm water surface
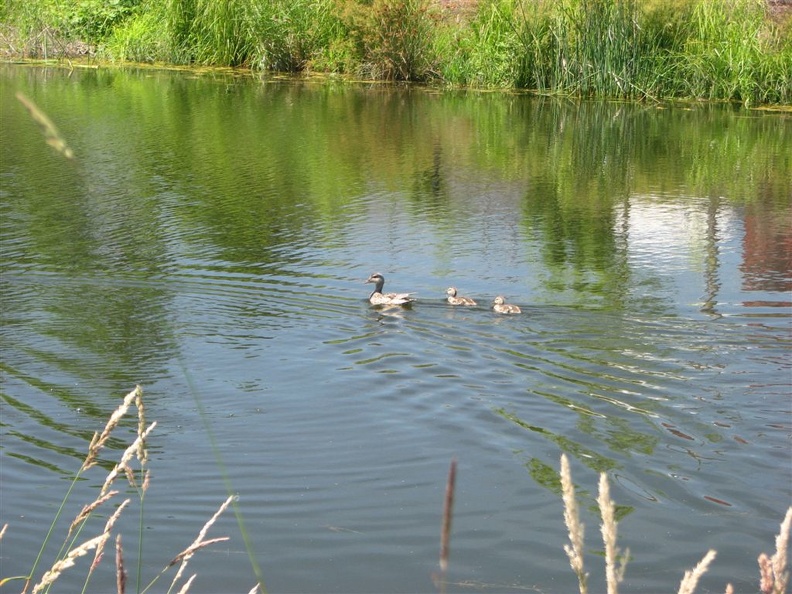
{"x":210,"y":241}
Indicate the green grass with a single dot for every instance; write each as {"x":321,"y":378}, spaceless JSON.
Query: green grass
{"x":721,"y":50}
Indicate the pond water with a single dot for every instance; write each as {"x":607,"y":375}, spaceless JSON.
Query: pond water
{"x":209,"y":241}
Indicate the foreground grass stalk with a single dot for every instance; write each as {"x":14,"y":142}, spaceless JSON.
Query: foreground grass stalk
{"x":66,"y":562}
{"x":448,"y":508}
{"x":53,"y":137}
{"x":614,"y":563}
{"x":97,"y":443}
{"x":120,"y":571}
{"x":199,"y":542}
{"x":445,"y":529}
{"x":254,"y":564}
{"x":575,"y":527}
{"x":773,"y":573}
{"x":72,"y":549}
{"x":692,"y":577}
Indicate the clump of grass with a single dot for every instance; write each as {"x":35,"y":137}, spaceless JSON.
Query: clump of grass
{"x":734,"y":50}
{"x":133,"y":465}
{"x":393,"y":38}
{"x":144,"y":38}
{"x":273,"y":35}
{"x":485,"y":53}
{"x":726,"y":55}
{"x":712,"y":49}
{"x":296,"y":35}
{"x":215,"y":32}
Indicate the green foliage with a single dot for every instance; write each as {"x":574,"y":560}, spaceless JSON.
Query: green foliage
{"x":270,"y":35}
{"x":292,"y":35}
{"x":713,"y":49}
{"x":93,"y":20}
{"x":212,"y":32}
{"x":143,"y":39}
{"x":488,"y":50}
{"x":733,"y":53}
{"x":394,"y":38}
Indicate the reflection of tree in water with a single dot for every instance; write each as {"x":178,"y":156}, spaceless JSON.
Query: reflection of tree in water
{"x":711,"y":260}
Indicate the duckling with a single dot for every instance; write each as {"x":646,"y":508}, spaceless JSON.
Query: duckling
{"x":377,"y":297}
{"x":454,"y":300}
{"x":500,"y":306}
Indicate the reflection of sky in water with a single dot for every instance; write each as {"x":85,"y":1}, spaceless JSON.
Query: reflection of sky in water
{"x":666,"y":234}
{"x":696,"y":246}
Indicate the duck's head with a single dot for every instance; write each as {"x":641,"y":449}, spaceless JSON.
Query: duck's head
{"x":499,"y":300}
{"x":451,"y":291}
{"x":376,"y":278}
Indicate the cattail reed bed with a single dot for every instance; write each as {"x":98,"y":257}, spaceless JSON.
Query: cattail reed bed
{"x":734,"y":50}
{"x":133,"y":466}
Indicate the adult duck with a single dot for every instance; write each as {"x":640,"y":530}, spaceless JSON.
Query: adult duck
{"x":455,"y":299}
{"x":501,"y":307}
{"x":377,"y":297}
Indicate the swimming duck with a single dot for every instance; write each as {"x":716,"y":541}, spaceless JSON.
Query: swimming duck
{"x":454,"y":300}
{"x":377,"y":297}
{"x":500,"y":306}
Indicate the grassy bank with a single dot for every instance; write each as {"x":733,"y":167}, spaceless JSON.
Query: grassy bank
{"x":735,"y":50}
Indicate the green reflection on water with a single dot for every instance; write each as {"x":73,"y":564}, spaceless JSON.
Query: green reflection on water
{"x":170,"y":165}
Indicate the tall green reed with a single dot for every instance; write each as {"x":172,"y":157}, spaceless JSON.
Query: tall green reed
{"x":487,"y":52}
{"x":296,"y":35}
{"x":710,"y":49}
{"x":213,"y":32}
{"x":734,"y":52}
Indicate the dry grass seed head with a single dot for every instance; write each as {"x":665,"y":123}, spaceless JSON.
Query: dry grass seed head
{"x":128,"y":454}
{"x":198,"y":543}
{"x":98,"y":442}
{"x":614,"y":566}
{"x":574,"y":525}
{"x":87,"y":510}
{"x":766,"y":578}
{"x":187,"y":584}
{"x":774,"y":577}
{"x":780,"y":558}
{"x":68,"y":561}
{"x":142,"y":453}
{"x":107,"y":529}
{"x":690,"y":581}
